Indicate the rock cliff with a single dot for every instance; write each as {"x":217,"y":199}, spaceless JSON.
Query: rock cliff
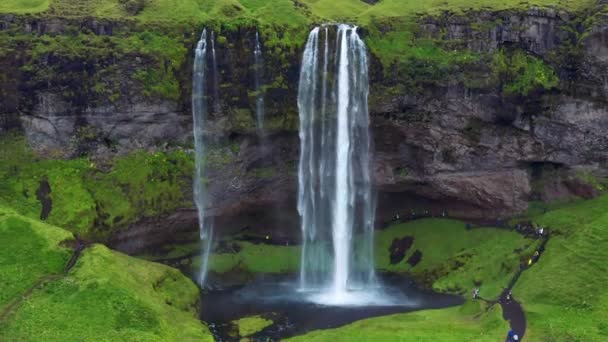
{"x":514,"y":111}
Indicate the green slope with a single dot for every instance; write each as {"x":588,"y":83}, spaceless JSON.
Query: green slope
{"x":565,"y":294}
{"x":106,"y":296}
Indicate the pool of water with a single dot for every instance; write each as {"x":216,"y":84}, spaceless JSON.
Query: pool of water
{"x":296,"y":312}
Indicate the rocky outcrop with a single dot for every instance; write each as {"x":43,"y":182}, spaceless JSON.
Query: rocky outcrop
{"x":55,"y":124}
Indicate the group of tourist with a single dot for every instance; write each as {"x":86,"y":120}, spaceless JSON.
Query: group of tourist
{"x":413,"y":214}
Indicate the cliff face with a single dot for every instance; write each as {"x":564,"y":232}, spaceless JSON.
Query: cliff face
{"x":514,"y":111}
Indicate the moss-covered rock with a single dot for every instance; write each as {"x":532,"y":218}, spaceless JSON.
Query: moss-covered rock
{"x":93,"y":200}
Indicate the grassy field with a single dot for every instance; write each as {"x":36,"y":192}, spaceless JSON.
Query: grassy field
{"x":455,"y":259}
{"x":126,"y":298}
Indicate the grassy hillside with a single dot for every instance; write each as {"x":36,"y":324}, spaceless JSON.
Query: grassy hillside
{"x":565,"y":294}
{"x":455,"y":259}
{"x":126,"y":298}
{"x":270,"y":11}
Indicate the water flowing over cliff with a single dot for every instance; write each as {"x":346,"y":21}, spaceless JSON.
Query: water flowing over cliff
{"x":259,"y":92}
{"x":335,"y":199}
{"x":199,"y":114}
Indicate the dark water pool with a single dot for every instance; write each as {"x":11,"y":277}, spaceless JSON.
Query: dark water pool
{"x":277,"y":298}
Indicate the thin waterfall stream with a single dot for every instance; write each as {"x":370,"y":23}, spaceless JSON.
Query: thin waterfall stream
{"x":199,"y":115}
{"x":258,"y":77}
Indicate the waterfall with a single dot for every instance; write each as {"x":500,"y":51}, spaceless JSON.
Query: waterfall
{"x":258,"y":75}
{"x":199,"y":115}
{"x":335,"y":199}
{"x":216,"y":76}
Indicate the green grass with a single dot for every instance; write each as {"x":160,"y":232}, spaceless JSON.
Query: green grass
{"x":23,"y":6}
{"x":466,"y":323}
{"x":250,"y":325}
{"x":106,"y":296}
{"x":29,"y":251}
{"x":565,"y":294}
{"x":455,"y":259}
{"x":278,"y":11}
{"x":258,"y":258}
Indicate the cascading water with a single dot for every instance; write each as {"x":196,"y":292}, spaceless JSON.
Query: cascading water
{"x":258,"y":74}
{"x":199,"y":115}
{"x":335,"y":199}
{"x":216,"y":76}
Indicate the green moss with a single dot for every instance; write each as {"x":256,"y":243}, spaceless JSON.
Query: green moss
{"x":598,"y":183}
{"x":264,"y":172}
{"x":242,"y":119}
{"x":521,"y":73}
{"x":153,"y":59}
{"x":84,"y":196}
{"x":250,"y":325}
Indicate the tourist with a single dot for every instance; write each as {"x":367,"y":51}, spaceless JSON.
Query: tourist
{"x":476,"y":293}
{"x":396,"y":217}
{"x":535,"y":256}
{"x":512,"y":336}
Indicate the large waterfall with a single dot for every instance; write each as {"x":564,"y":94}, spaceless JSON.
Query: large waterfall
{"x":335,"y":199}
{"x":258,"y":75}
{"x":199,"y":116}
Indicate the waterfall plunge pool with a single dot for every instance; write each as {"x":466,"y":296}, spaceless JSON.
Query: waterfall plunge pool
{"x":295,"y":312}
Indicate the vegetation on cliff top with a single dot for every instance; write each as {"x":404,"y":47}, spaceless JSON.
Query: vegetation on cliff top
{"x":127,"y":298}
{"x":271,"y":11}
